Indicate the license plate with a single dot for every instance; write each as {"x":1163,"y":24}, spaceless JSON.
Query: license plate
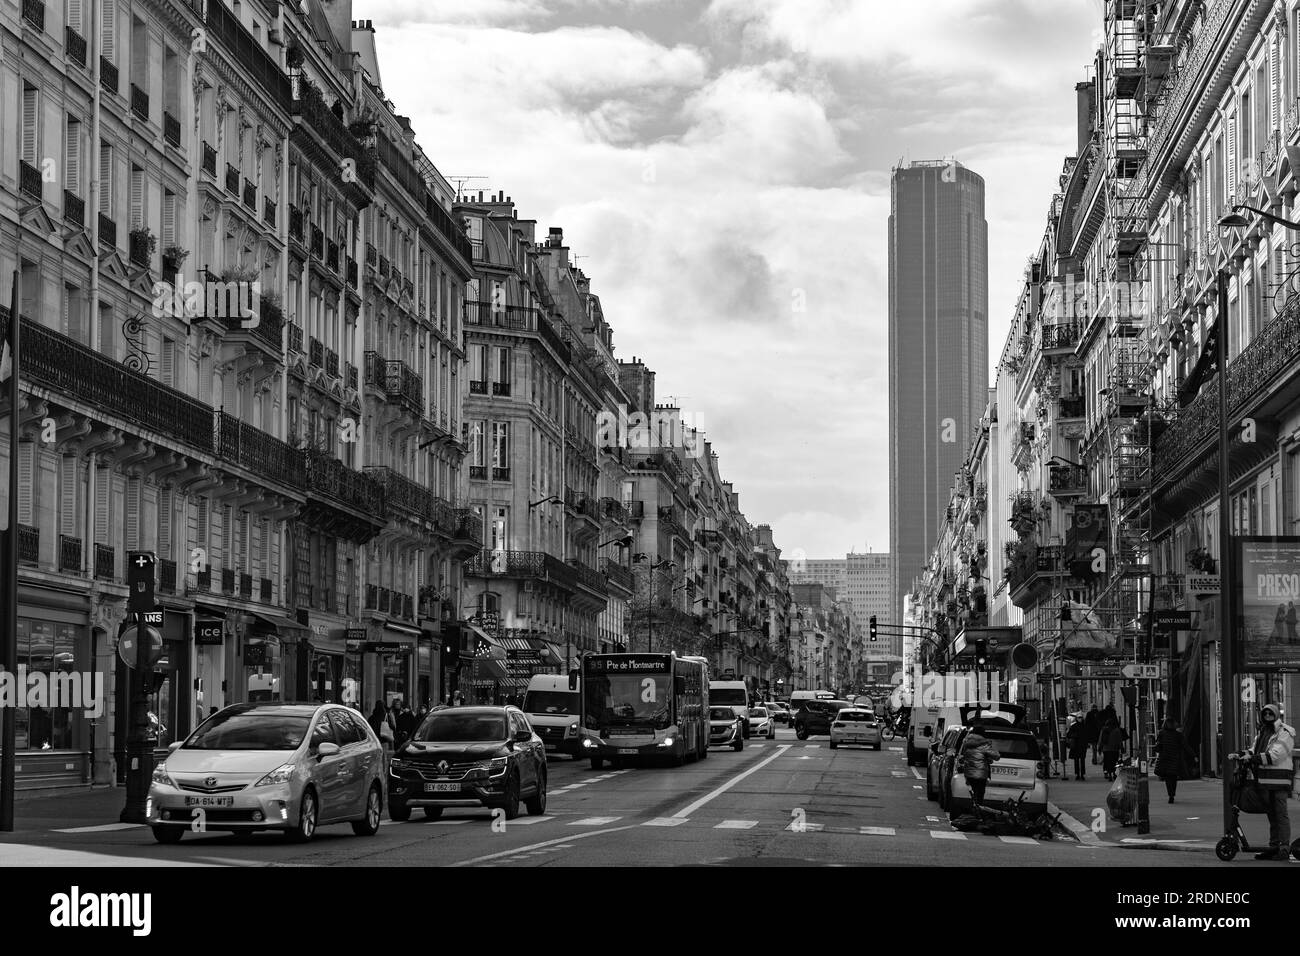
{"x":209,"y":801}
{"x":442,"y":788}
{"x":1005,"y":772}
{"x":627,"y":750}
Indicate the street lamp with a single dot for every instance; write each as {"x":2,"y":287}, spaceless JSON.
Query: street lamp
{"x":1235,"y":220}
{"x":534,"y":504}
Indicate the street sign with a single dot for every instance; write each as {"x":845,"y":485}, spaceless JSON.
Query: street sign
{"x":1203,"y":583}
{"x":1173,"y":620}
{"x":140,"y":574}
{"x":522,"y":654}
{"x":355,"y":634}
{"x":1044,"y":677}
{"x":1141,"y":671}
{"x":126,"y":647}
{"x":384,"y":647}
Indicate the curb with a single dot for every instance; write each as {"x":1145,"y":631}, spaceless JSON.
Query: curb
{"x":1085,"y":836}
{"x":1080,"y":832}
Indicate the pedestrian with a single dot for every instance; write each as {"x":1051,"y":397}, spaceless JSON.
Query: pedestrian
{"x":977,"y":755}
{"x":1171,"y":753}
{"x":1274,"y":778}
{"x":379,"y":723}
{"x":1077,"y":739}
{"x":1279,"y":622}
{"x":1092,"y":727}
{"x":1112,"y":742}
{"x":406,"y":726}
{"x":1291,"y":637}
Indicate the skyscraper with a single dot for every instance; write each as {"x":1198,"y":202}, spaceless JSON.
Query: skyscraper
{"x":938,"y":349}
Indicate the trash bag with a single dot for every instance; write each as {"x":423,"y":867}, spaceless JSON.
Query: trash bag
{"x":1121,"y":801}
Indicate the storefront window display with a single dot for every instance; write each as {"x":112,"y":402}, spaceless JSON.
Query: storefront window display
{"x":48,"y":648}
{"x":264,"y":668}
{"x":396,"y":677}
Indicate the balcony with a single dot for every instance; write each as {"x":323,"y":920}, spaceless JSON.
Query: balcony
{"x":295,"y":337}
{"x":104,"y":561}
{"x":385,"y":267}
{"x":618,"y":575}
{"x":232,"y":180}
{"x":69,"y":553}
{"x":70,"y":368}
{"x":74,"y":47}
{"x":108,"y":77}
{"x":171,"y":129}
{"x":501,"y":388}
{"x":351,"y":488}
{"x":521,"y":564}
{"x":331,"y":362}
{"x":1058,"y":337}
{"x":253,"y":449}
{"x":139,"y":103}
{"x":589,"y":578}
{"x":321,"y":121}
{"x":250,"y":196}
{"x":138,"y":242}
{"x":450,"y":229}
{"x":402,"y":383}
{"x":500,"y":474}
{"x":203,"y":579}
{"x":1066,"y":481}
{"x":1071,"y":407}
{"x":268,"y":211}
{"x":478,"y":472}
{"x":245,"y":585}
{"x":614,"y":512}
{"x":210,"y":160}
{"x":296,"y":223}
{"x":469,"y":527}
{"x":477,"y":387}
{"x":332,"y":256}
{"x":317,"y":244}
{"x":107,"y":232}
{"x":29,"y":180}
{"x":34,"y":14}
{"x":29,"y":544}
{"x":350,"y":375}
{"x":409,"y":496}
{"x":352,"y":273}
{"x":664,"y":462}
{"x":257,"y":66}
{"x":227,"y":580}
{"x":167,"y":576}
{"x":516,"y":319}
{"x":74,"y":210}
{"x":264,"y":590}
{"x":316,"y":353}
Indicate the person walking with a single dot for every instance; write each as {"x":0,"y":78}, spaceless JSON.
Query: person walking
{"x":1171,"y":753}
{"x":1112,"y":742}
{"x":381,"y":724}
{"x":406,"y":725}
{"x":1092,"y":729}
{"x":1272,"y":757}
{"x":977,"y":755}
{"x":1076,"y":739}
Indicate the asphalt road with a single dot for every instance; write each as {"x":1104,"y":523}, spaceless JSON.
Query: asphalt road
{"x":777,"y":802}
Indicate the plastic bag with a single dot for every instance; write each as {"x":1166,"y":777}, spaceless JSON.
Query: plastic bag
{"x":1121,"y":802}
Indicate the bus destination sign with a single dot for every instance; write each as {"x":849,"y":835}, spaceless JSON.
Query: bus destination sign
{"x":627,"y":663}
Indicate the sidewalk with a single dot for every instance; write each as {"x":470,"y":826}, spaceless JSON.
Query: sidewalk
{"x":40,"y":811}
{"x":1193,"y":822}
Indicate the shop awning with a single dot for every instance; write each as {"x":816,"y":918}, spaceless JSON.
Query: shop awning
{"x":549,"y":656}
{"x":496,"y":650}
{"x":279,"y":623}
{"x":487,"y":668}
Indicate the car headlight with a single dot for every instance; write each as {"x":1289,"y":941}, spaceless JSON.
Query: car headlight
{"x":396,"y":765}
{"x":495,"y":766}
{"x":666,"y":742}
{"x":279,"y":775}
{"x":573,"y":728}
{"x":160,"y":775}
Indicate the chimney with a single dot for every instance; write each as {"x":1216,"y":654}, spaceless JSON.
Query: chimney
{"x":1085,"y":95}
{"x":555,"y":236}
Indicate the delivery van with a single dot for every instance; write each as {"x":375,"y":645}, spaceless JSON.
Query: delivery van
{"x":733,"y":694}
{"x":927,"y":724}
{"x":555,"y":712}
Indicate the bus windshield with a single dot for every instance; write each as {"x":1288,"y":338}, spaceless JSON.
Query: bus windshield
{"x":613,"y":699}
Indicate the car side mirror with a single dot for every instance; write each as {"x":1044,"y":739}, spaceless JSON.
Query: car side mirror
{"x":328,"y":749}
{"x":173,"y":746}
{"x":523,"y":736}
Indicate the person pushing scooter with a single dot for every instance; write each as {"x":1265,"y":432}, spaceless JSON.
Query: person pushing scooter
{"x":1274,"y":774}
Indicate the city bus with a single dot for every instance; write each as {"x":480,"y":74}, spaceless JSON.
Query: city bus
{"x":644,"y":707}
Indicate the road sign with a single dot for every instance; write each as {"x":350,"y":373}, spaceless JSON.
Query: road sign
{"x":524,"y":654}
{"x":1173,"y":620}
{"x":1141,"y":671}
{"x":1044,"y":677}
{"x":140,"y":574}
{"x":153,"y":649}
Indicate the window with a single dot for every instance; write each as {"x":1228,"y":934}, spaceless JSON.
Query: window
{"x":503,"y":366}
{"x":478,"y":363}
{"x":29,"y":137}
{"x":106,"y":179}
{"x":72,"y":156}
{"x":345,"y":731}
{"x":169,"y":219}
{"x":73,"y":17}
{"x":498,"y":538}
{"x":500,"y":444}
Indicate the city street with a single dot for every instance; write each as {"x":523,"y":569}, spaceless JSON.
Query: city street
{"x":776,"y":802}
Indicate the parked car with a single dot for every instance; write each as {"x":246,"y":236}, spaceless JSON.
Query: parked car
{"x":815,"y":717}
{"x":780,"y":711}
{"x":469,"y":756}
{"x":271,"y":766}
{"x":726,"y":729}
{"x":1013,"y":774}
{"x":855,"y":726}
{"x":761,"y":723}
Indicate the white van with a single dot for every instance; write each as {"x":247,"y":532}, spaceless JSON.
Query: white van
{"x":926,"y":725}
{"x":733,"y":694}
{"x":555,"y":712}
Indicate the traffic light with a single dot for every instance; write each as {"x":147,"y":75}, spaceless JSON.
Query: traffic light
{"x":981,"y":653}
{"x":873,"y":628}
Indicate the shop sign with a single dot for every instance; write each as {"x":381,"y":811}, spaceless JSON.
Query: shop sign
{"x":209,"y":632}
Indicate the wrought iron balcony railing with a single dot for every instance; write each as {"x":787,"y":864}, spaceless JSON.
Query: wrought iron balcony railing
{"x":107,"y":231}
{"x":227,"y":580}
{"x":74,"y":210}
{"x":29,"y":180}
{"x":316,"y":353}
{"x":104,"y":562}
{"x":232,"y":180}
{"x":167,"y":576}
{"x":309,"y":105}
{"x":589,"y":578}
{"x":617,"y":574}
{"x":350,"y":375}
{"x":210,"y":159}
{"x":295,"y":337}
{"x":1063,"y":480}
{"x":331,"y":362}
{"x":69,"y":553}
{"x":516,"y":319}
{"x":250,"y":195}
{"x":139,"y":103}
{"x":477,"y":387}
{"x":328,"y":475}
{"x":521,"y":564}
{"x":1071,"y":407}
{"x":332,"y":256}
{"x":317,"y":245}
{"x":34,"y":14}
{"x":29,"y":544}
{"x":74,"y":46}
{"x":268,"y":210}
{"x":108,"y":75}
{"x":171,"y":129}
{"x":469,"y":526}
{"x":352,"y":272}
{"x":258,"y":67}
{"x":261,"y":453}
{"x":295,"y":223}
{"x":264,"y":590}
{"x":245,"y":585}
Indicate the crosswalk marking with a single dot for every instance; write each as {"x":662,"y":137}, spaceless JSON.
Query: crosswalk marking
{"x":736,"y":825}
{"x":527,"y":821}
{"x":947,"y":835}
{"x":101,"y":828}
{"x":664,"y":822}
{"x":897,"y":773}
{"x":594,"y":821}
{"x":445,"y":823}
{"x":1019,"y":840}
{"x":811,"y":746}
{"x":931,"y":819}
{"x":876,"y":831}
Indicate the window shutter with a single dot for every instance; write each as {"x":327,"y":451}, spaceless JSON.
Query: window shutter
{"x":227,"y":535}
{"x":1231,"y":177}
{"x":169,"y":362}
{"x":30,"y":112}
{"x":72,"y":158}
{"x":106,"y":180}
{"x":108,"y":44}
{"x":245,"y":544}
{"x":102,"y":493}
{"x":137,"y":197}
{"x":1274,"y":91}
{"x":132,"y":512}
{"x":201,"y":524}
{"x":165,"y":524}
{"x":26,"y":476}
{"x":169,"y":219}
{"x":68,"y":495}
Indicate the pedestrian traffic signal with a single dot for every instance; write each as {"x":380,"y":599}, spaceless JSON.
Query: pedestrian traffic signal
{"x":981,"y":653}
{"x":873,"y":627}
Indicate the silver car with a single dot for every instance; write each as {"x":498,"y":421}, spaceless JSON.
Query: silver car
{"x":271,"y":766}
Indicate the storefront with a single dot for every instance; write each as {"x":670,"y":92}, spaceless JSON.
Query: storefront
{"x":268,"y":656}
{"x":213,"y":660}
{"x":388,"y":666}
{"x":324,"y":675}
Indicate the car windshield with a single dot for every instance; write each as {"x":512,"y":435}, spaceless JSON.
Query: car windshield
{"x":721,"y":713}
{"x":758,"y":712}
{"x":854,"y":715}
{"x":728,"y":695}
{"x":1015,"y":746}
{"x":250,"y":731}
{"x":450,"y":726}
{"x":551,"y":702}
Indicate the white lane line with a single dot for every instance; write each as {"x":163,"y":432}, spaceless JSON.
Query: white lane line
{"x":916,"y":786}
{"x":896,"y":750}
{"x":594,"y":821}
{"x":526,"y":821}
{"x":101,"y":828}
{"x":537,"y":846}
{"x":931,"y":819}
{"x":917,"y":773}
{"x":795,"y":827}
{"x":811,"y":746}
{"x":736,"y":825}
{"x":947,"y":835}
{"x":1019,"y":840}
{"x":876,"y":831}
{"x":687,"y":811}
{"x":664,"y":822}
{"x":445,"y":823}
{"x":807,"y":758}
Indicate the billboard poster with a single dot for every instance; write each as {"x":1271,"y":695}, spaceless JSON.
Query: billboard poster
{"x":1268,"y":595}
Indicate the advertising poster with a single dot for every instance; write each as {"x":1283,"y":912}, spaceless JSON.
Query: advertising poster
{"x":1268,"y":592}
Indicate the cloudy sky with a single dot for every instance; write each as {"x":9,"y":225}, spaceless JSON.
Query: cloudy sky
{"x":722,"y":166}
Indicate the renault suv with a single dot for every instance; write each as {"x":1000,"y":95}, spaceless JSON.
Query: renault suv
{"x":469,"y":756}
{"x":816,"y":716}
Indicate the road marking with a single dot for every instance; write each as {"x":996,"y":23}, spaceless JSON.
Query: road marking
{"x":916,"y":786}
{"x":445,"y":823}
{"x":807,"y":827}
{"x":664,"y":822}
{"x":931,"y":819}
{"x":876,"y":831}
{"x":687,"y":811}
{"x":1019,"y":840}
{"x":897,"y":773}
{"x":947,"y":835}
{"x":101,"y":828}
{"x":807,"y":758}
{"x":896,"y":750}
{"x":811,"y":746}
{"x":736,"y":825}
{"x":537,"y":846}
{"x":594,"y":821}
{"x":527,"y":821}
{"x":917,"y":774}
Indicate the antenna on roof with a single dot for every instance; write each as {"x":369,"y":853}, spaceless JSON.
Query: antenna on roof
{"x":460,"y":181}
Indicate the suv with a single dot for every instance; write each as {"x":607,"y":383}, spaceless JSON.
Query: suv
{"x":469,"y":756}
{"x":815,"y":717}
